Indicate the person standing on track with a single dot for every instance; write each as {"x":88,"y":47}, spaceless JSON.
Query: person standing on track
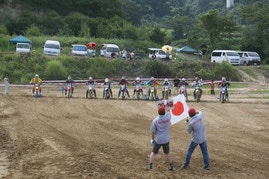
{"x":160,"y":136}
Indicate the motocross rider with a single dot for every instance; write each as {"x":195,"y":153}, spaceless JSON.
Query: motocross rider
{"x":152,"y":82}
{"x":185,"y":83}
{"x":166,"y":83}
{"x":123,"y":81}
{"x":197,"y":83}
{"x":176,"y":85}
{"x":138,"y":82}
{"x":35,"y":80}
{"x":70,"y":82}
{"x":91,"y":82}
{"x":109,"y":86}
{"x":224,"y":83}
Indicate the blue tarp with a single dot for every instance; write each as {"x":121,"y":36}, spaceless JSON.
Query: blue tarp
{"x":20,"y":39}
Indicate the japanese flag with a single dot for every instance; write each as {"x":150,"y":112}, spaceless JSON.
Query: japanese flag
{"x":180,"y":109}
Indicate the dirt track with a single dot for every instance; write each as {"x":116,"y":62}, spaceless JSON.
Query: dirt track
{"x":56,"y":137}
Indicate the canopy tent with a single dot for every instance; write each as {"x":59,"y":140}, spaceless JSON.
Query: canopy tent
{"x":187,"y":49}
{"x":20,"y":39}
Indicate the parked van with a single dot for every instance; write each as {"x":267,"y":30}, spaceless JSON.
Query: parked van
{"x":157,"y":53}
{"x":79,"y":50}
{"x":111,"y":50}
{"x":52,"y":47}
{"x":23,"y":48}
{"x":249,"y":58}
{"x":229,"y":56}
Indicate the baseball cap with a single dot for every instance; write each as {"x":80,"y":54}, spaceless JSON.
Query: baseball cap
{"x":161,"y":110}
{"x":192,"y":112}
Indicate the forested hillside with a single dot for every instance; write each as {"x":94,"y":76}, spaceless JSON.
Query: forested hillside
{"x":196,"y":23}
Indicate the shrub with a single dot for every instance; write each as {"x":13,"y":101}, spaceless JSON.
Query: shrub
{"x":55,"y":70}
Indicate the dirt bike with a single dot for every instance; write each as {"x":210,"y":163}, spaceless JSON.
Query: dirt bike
{"x":152,"y":94}
{"x":106,"y":92}
{"x":197,"y":94}
{"x":183,"y":90}
{"x":223,"y":94}
{"x":166,"y":92}
{"x":68,"y":91}
{"x":90,"y":91}
{"x":138,"y":91}
{"x":36,"y":92}
{"x":122,"y":91}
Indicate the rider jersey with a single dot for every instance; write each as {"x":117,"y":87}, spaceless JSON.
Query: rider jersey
{"x":224,"y":84}
{"x":107,"y":83}
{"x":123,"y":82}
{"x":152,"y":83}
{"x":36,"y":80}
{"x":176,"y":82}
{"x":69,"y":82}
{"x":90,"y":82}
{"x":184,"y":83}
{"x":166,"y":83}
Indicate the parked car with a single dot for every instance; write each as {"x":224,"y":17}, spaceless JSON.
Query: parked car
{"x":249,"y":58}
{"x":230,"y":56}
{"x":111,"y":50}
{"x":52,"y":47}
{"x":157,"y":53}
{"x":23,"y":48}
{"x":79,"y":50}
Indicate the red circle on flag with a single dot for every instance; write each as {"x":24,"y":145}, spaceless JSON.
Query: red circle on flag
{"x":178,"y":108}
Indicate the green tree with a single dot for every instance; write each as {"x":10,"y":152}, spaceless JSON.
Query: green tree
{"x":157,"y":35}
{"x":216,"y":26}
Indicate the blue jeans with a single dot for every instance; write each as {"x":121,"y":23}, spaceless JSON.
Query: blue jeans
{"x":203,"y":147}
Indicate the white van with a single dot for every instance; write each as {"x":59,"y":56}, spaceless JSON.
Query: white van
{"x":52,"y":48}
{"x":79,"y":50}
{"x":230,"y":56}
{"x":157,"y":53}
{"x":249,"y":58}
{"x":111,"y":50}
{"x":23,"y":48}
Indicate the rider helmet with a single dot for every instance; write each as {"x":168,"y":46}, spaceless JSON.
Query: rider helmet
{"x":123,"y":77}
{"x":137,"y":79}
{"x":183,"y":79}
{"x":106,"y":80}
{"x":152,"y":78}
{"x":90,"y":78}
{"x":36,"y":76}
{"x":166,"y":79}
{"x":69,"y":77}
{"x":223,"y":79}
{"x":196,"y":78}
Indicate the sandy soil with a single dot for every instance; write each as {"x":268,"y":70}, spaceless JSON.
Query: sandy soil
{"x":56,"y":137}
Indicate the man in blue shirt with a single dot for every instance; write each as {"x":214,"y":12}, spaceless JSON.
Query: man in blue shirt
{"x":197,"y":128}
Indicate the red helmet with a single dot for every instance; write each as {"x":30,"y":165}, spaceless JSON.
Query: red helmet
{"x":191,"y":112}
{"x":161,"y":110}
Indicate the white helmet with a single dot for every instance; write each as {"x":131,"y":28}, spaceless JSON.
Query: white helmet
{"x":137,"y":79}
{"x":36,"y":76}
{"x":152,"y":78}
{"x":183,"y":79}
{"x":123,"y":77}
{"x":90,"y":78}
{"x":166,"y":79}
{"x":106,"y":80}
{"x":69,"y":77}
{"x":223,"y":79}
